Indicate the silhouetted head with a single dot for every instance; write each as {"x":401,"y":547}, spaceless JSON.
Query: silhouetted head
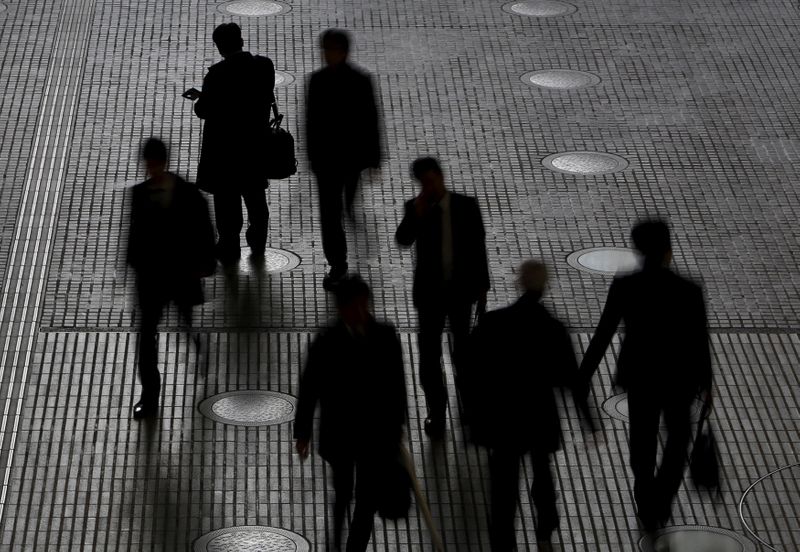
{"x":228,"y":38}
{"x":335,"y":44}
{"x":154,"y":154}
{"x":651,"y":238}
{"x":533,"y":277}
{"x":352,"y":300}
{"x":429,"y":174}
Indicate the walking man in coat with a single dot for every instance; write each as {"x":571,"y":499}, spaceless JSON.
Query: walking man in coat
{"x":235,"y":104}
{"x":355,"y":373}
{"x":343,"y":134}
{"x":171,"y":248}
{"x":451,"y":275}
{"x":663,"y":362}
{"x":517,"y":355}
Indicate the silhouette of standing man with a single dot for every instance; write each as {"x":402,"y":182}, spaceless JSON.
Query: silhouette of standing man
{"x":451,"y":275}
{"x":518,"y":354}
{"x":355,"y":372}
{"x":170,"y":247}
{"x":235,"y":104}
{"x":343,"y":134}
{"x":663,"y":362}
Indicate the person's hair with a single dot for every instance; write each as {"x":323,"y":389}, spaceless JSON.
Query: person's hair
{"x":533,"y":276}
{"x":423,"y":165}
{"x":154,"y":150}
{"x":335,"y":39}
{"x":227,"y":37}
{"x":349,"y":289}
{"x":651,"y":238}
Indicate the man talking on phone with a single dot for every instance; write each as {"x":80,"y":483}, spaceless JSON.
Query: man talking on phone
{"x":235,"y":104}
{"x":451,"y":275}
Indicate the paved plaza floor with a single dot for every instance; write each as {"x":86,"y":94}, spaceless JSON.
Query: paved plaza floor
{"x":687,"y":110}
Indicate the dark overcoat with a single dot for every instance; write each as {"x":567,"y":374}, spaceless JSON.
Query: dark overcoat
{"x":235,"y":104}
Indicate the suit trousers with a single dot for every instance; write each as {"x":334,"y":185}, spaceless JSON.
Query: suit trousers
{"x":504,"y":476}
{"x":152,"y":301}
{"x":432,"y":318}
{"x":654,"y":492}
{"x":228,"y":213}
{"x":334,"y":187}
{"x":367,"y":481}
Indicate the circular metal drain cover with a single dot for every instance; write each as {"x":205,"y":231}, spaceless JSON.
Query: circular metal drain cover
{"x":283,"y":79}
{"x":249,"y":408}
{"x":251,"y":538}
{"x":253,"y":8}
{"x":540,"y":8}
{"x":696,"y":538}
{"x":771,"y":502}
{"x":560,"y":79}
{"x":275,"y":260}
{"x":585,"y":162}
{"x":617,"y":408}
{"x":608,"y":261}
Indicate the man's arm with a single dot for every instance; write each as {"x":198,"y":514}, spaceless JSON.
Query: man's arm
{"x":609,"y":320}
{"x":204,"y":106}
{"x":408,"y":230}
{"x":481,"y":258}
{"x":133,"y":252}
{"x":372,"y":128}
{"x":206,"y":261}
{"x":703,"y":349}
{"x":309,"y":392}
{"x":398,"y":381}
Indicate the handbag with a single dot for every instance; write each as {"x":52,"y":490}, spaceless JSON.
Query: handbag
{"x":704,"y":465}
{"x":281,"y":161}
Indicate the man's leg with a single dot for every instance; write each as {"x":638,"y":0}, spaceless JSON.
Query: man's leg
{"x":543,"y":493}
{"x":460,"y":317}
{"x":504,"y":480}
{"x":368,"y":479}
{"x":644,"y":412}
{"x":228,"y":214}
{"x":350,"y":189}
{"x":151,"y":306}
{"x":255,"y":200}
{"x":342,"y":470}
{"x":431,"y":377}
{"x":334,"y":244}
{"x":677,"y":416}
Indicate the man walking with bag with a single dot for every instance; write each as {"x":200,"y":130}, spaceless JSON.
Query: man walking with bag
{"x":343,"y":136}
{"x":664,"y":360}
{"x":354,"y":371}
{"x":235,"y":104}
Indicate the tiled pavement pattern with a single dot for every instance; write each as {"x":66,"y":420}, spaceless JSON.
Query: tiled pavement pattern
{"x":699,"y":98}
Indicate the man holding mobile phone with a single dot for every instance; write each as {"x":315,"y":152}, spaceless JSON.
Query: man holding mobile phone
{"x":235,"y":105}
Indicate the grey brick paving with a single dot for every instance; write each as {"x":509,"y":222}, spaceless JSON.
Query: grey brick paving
{"x":701,"y":99}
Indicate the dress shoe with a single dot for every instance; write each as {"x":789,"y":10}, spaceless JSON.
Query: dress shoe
{"x":434,"y":428}
{"x":333,"y":277}
{"x":142,"y":410}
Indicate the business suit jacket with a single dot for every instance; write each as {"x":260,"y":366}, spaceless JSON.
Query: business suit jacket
{"x":171,"y":248}
{"x":518,"y":355}
{"x":470,"y":275}
{"x":235,"y":104}
{"x":665,"y":347}
{"x":360,"y":387}
{"x":342,"y":121}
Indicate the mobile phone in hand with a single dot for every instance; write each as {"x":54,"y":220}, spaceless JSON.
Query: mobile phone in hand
{"x":191,"y":94}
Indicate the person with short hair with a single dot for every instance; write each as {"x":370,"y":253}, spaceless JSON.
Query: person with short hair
{"x":354,"y":371}
{"x":170,"y":248}
{"x":451,"y":275}
{"x":664,"y":361}
{"x":517,"y":355}
{"x":235,"y":104}
{"x":344,"y":138}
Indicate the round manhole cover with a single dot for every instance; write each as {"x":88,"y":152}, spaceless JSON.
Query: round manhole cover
{"x":696,"y":538}
{"x":283,"y":79}
{"x":617,"y":408}
{"x":249,"y":408}
{"x":253,"y":8}
{"x":251,"y":538}
{"x":608,"y":261}
{"x":540,"y":8}
{"x":275,"y":260}
{"x":560,"y":79}
{"x":585,"y":162}
{"x":772,"y":502}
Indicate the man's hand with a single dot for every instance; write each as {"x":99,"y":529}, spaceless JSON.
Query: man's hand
{"x":705,"y":396}
{"x":482,"y":300}
{"x":421,"y":205}
{"x":192,"y":94}
{"x":302,"y":447}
